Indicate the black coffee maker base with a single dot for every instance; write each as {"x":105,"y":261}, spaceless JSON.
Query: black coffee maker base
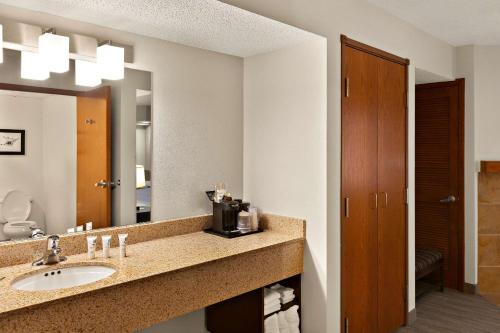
{"x":232,"y":234}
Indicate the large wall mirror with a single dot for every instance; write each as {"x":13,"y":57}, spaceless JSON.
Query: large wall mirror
{"x":73,"y":158}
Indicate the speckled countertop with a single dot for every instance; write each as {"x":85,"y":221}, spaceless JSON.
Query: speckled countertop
{"x":144,"y":260}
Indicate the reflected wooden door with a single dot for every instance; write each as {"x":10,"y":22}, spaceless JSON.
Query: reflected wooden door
{"x":439,"y":174}
{"x":94,"y":158}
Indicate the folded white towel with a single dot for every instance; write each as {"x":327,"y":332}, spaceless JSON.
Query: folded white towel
{"x":292,"y":317}
{"x":286,"y":294}
{"x":271,"y":308}
{"x":270,"y":295}
{"x":283,"y":324}
{"x":271,"y":324}
{"x":287,"y":299}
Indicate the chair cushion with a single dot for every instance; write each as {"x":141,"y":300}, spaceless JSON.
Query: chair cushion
{"x":425,"y":258}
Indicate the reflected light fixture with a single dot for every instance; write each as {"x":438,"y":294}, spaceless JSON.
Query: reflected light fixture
{"x":33,"y":67}
{"x":140,"y":176}
{"x":111,"y":61}
{"x":54,"y":50}
{"x":87,"y":73}
{"x":1,"y":43}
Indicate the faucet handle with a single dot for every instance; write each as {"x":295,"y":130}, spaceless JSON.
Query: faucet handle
{"x":53,"y":242}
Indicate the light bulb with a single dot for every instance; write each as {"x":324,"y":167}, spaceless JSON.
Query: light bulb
{"x":54,"y":50}
{"x":111,"y":62}
{"x":86,"y":74}
{"x":33,"y":67}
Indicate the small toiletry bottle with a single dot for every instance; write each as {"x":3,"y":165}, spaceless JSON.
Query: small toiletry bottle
{"x":106,"y":244}
{"x":91,"y":244}
{"x":71,"y":230}
{"x":88,"y":226}
{"x":79,"y":228}
{"x":122,"y":239}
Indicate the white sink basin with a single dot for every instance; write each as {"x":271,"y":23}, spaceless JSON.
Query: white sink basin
{"x":63,"y":278}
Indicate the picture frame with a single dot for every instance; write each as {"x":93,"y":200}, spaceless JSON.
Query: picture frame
{"x":12,"y":142}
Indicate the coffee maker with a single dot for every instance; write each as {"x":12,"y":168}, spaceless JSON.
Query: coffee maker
{"x":225,"y":216}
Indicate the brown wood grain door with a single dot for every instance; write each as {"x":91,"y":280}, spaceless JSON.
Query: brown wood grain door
{"x":374,"y":172}
{"x":94,"y":157}
{"x":359,"y":188}
{"x":392,"y":251}
{"x":439,"y":174}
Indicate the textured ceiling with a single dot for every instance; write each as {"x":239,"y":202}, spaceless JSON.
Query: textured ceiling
{"x":207,"y":24}
{"x":458,"y":22}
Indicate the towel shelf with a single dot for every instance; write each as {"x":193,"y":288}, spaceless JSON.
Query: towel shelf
{"x":245,"y":313}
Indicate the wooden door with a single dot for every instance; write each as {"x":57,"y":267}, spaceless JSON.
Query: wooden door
{"x":439,"y":174}
{"x":374,"y":232}
{"x":359,"y":188}
{"x":94,"y":157}
{"x":392,"y":251}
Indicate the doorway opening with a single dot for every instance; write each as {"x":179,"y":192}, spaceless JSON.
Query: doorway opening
{"x":439,"y":183}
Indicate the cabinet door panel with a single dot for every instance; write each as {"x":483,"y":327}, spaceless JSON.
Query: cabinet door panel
{"x":392,"y":196}
{"x":359,"y":186}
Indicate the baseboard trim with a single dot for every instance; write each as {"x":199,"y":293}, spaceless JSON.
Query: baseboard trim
{"x":470,"y":288}
{"x":411,"y":317}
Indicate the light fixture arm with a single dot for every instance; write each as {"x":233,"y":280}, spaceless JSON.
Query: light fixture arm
{"x":49,"y":31}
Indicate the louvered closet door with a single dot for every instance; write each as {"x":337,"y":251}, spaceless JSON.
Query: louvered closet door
{"x":359,"y":186}
{"x":437,"y":165}
{"x":392,"y":196}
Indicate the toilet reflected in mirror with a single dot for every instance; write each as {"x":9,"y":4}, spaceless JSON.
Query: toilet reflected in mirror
{"x":16,"y":212}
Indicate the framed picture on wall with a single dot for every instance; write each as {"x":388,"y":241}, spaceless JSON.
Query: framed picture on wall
{"x":11,"y":142}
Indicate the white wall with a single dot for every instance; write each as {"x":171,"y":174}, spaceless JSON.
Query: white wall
{"x":487,"y":101}
{"x":284,"y":153}
{"x":59,"y":162}
{"x":466,"y":69}
{"x":24,"y":172}
{"x":197,"y":128}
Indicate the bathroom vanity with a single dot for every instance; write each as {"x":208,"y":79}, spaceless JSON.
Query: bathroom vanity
{"x":172,"y":268}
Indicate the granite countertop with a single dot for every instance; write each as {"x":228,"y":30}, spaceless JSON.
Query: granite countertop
{"x":146,"y":259}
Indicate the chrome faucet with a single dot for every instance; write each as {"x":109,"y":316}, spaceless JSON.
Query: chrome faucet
{"x":51,"y":256}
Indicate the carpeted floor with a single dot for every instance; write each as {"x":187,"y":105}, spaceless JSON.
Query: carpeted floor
{"x":454,"y":312}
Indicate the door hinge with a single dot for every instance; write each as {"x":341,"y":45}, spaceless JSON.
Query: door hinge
{"x":346,"y":330}
{"x":347,"y":87}
{"x":407,"y":196}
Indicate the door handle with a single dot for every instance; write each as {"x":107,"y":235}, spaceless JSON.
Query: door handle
{"x":103,"y":184}
{"x":386,"y":199}
{"x":449,"y":199}
{"x":347,"y":208}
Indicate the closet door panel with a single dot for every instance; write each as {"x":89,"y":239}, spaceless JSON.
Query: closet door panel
{"x":392,"y":196}
{"x":359,"y":186}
